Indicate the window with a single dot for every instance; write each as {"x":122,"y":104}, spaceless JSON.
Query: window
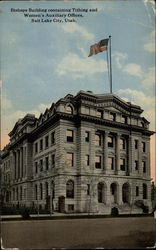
{"x":53,"y":189}
{"x":136,"y":144}
{"x":110,"y":142}
{"x":87,"y":136}
{"x":13,"y":194}
{"x":46,"y":189}
{"x":25,"y":193}
{"x":137,"y":191}
{"x":47,"y":141}
{"x":112,"y":116}
{"x":70,"y":189}
{"x":70,"y":159}
{"x":122,"y":164}
{"x":98,"y":140}
{"x":87,"y":160}
{"x":41,"y":192}
{"x":111,"y":163}
{"x":41,"y":144}
{"x":126,"y":193}
{"x":99,"y":113}
{"x":41,"y":165}
{"x":36,"y":167}
{"x":100,"y":192}
{"x":98,"y":161}
{"x":69,"y":109}
{"x":17,"y":193}
{"x":70,"y":135}
{"x":122,"y":143}
{"x":143,"y":147}
{"x":36,"y":198}
{"x":53,"y":160}
{"x":136,"y":165}
{"x":53,"y":137}
{"x":144,"y":166}
{"x":47,"y":162}
{"x":36,"y":147}
{"x":113,"y":188}
{"x":20,"y":193}
{"x":144,"y":191}
{"x":124,"y":119}
{"x":88,"y":189}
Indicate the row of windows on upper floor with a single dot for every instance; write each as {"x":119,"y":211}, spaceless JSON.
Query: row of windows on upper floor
{"x":98,"y":141}
{"x":47,"y":163}
{"x":112,"y":116}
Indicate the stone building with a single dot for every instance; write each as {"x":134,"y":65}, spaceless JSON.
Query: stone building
{"x":87,"y":153}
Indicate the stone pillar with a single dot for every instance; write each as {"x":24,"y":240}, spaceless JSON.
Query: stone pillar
{"x":18,"y":160}
{"x":140,"y":157}
{"x":120,"y":201}
{"x":117,"y":167}
{"x":21,"y":172}
{"x":14,"y":169}
{"x":105,"y":151}
{"x":148,"y":164}
{"x":24,"y":162}
{"x":130,"y":157}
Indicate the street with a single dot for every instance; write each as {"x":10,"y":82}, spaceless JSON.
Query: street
{"x":134,"y":232}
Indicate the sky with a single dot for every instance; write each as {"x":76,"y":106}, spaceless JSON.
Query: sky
{"x":44,"y":61}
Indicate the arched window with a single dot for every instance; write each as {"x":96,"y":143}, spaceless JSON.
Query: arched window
{"x":100,"y":192}
{"x":144,"y":191}
{"x":69,"y":109}
{"x":126,"y":193}
{"x":113,"y":191}
{"x":70,"y":189}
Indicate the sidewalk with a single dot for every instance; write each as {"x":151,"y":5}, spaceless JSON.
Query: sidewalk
{"x":48,"y":216}
{"x":57,"y":215}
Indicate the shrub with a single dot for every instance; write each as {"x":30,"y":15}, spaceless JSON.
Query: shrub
{"x":25,"y":214}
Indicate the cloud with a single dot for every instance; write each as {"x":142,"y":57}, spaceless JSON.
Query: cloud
{"x":80,"y":67}
{"x":79,"y":30}
{"x":147,"y":103}
{"x":149,"y":77}
{"x":130,"y":68}
{"x":10,"y":116}
{"x":150,"y":45}
{"x":133,"y":69}
{"x":119,"y":58}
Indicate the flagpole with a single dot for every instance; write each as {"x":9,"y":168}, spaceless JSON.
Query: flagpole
{"x":110,"y":66}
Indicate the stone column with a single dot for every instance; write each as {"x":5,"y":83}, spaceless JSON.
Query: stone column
{"x":21,"y":161}
{"x":119,"y":198}
{"x":117,"y":150}
{"x":106,"y":151}
{"x":14,"y":161}
{"x":140,"y":157}
{"x":18,"y":163}
{"x":148,"y":157}
{"x":130,"y":157}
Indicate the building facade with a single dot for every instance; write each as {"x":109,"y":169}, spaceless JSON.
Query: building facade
{"x":88,"y":153}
